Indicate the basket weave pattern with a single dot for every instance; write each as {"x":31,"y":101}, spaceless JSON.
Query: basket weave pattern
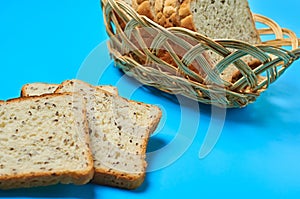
{"x":138,"y":46}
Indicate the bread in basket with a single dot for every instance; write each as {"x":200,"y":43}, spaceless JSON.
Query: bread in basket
{"x":179,"y":60}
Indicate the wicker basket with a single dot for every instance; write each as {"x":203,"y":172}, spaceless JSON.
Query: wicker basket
{"x":137,"y":45}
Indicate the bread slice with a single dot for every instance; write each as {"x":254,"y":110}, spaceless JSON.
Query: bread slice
{"x":220,"y":19}
{"x":119,"y":132}
{"x":36,"y":89}
{"x":43,"y":141}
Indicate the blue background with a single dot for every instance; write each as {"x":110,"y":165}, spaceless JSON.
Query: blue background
{"x":257,"y":154}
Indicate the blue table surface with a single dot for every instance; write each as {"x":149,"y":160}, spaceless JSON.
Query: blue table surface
{"x":257,"y":150}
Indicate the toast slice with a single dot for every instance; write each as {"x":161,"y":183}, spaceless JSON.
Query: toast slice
{"x":43,"y":141}
{"x":36,"y":89}
{"x":119,"y":132}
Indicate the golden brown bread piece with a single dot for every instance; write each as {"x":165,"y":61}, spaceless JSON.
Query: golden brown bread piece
{"x":170,"y":12}
{"x":143,"y":7}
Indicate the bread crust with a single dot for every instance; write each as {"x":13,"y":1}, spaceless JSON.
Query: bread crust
{"x":117,"y":179}
{"x":46,"y":95}
{"x":255,"y":33}
{"x":143,"y":7}
{"x":25,"y":93}
{"x":45,"y":178}
{"x":25,"y":87}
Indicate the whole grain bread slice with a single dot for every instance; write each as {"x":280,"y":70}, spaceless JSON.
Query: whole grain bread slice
{"x":43,"y":141}
{"x":39,"y":88}
{"x":221,"y":19}
{"x":119,"y":130}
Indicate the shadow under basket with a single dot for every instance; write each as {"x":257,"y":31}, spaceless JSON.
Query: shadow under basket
{"x":176,"y":60}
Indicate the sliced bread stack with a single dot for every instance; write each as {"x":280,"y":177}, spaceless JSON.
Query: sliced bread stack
{"x":117,"y":132}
